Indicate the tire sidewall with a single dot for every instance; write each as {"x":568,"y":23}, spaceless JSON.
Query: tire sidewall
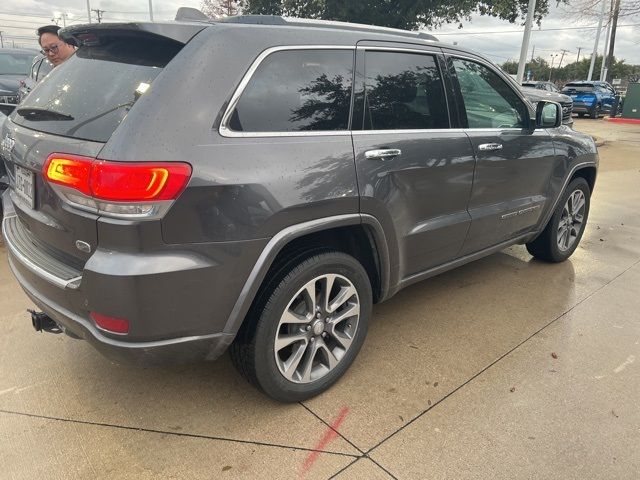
{"x":267,"y":372}
{"x":577,"y":184}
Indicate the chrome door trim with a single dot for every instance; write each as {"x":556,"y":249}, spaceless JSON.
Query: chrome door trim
{"x":224,"y":129}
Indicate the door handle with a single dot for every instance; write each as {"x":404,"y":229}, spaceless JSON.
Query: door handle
{"x":490,"y":147}
{"x":382,"y":154}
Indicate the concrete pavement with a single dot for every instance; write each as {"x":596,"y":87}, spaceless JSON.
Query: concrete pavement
{"x":504,"y":368}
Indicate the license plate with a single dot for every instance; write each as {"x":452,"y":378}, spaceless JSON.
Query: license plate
{"x":24,"y":185}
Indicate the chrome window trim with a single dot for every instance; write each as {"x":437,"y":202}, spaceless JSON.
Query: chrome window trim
{"x":224,"y":129}
{"x":429,"y":49}
{"x":73,"y":283}
{"x":359,"y":133}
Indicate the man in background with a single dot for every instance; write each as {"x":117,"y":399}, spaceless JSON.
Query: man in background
{"x":53,"y":47}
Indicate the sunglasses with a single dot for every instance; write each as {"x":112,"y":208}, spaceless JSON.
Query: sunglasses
{"x":53,"y":49}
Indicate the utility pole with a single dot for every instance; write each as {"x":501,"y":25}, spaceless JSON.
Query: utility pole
{"x":562,"y":57}
{"x":614,"y":26}
{"x":579,"y":50}
{"x":151,"y":10}
{"x":595,"y":46}
{"x":525,"y":40}
{"x":533,"y":52}
{"x":89,"y":11}
{"x":606,"y":44}
{"x":1,"y":40}
{"x":553,"y":59}
{"x":99,"y":14}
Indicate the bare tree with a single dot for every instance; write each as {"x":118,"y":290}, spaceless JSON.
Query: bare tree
{"x":591,"y":9}
{"x":222,"y":8}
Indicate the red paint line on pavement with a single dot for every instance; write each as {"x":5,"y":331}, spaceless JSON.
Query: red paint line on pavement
{"x":329,"y":435}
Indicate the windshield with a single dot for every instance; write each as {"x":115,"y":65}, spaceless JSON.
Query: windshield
{"x":16,"y":63}
{"x":89,"y":95}
{"x":578,"y":88}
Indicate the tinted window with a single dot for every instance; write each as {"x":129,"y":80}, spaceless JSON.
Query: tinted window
{"x":488,"y":100}
{"x":403,"y":91}
{"x":297,"y":90}
{"x":89,"y":94}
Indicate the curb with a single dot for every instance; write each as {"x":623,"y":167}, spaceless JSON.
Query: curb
{"x":628,"y":121}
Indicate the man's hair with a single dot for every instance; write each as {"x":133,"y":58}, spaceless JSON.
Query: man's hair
{"x":47,"y":29}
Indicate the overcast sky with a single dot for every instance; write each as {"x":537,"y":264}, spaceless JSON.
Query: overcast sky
{"x":478,"y":34}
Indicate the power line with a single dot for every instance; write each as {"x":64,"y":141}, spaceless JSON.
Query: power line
{"x":520,"y":31}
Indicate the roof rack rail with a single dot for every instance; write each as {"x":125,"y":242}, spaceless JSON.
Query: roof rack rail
{"x":299,"y":22}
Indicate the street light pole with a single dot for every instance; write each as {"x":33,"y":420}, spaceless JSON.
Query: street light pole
{"x":525,"y":40}
{"x":595,"y":46}
{"x":151,"y":10}
{"x":553,"y":59}
{"x":89,"y":11}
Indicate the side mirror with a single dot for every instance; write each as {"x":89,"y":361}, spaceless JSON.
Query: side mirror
{"x":548,"y":115}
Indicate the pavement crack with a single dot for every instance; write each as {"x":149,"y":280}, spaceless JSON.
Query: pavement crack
{"x":177,"y":434}
{"x":331,"y":427}
{"x":544,"y":327}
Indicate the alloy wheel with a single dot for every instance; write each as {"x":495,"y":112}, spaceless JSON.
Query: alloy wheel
{"x":317,"y":328}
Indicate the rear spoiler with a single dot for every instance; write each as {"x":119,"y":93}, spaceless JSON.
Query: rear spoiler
{"x":90,"y":34}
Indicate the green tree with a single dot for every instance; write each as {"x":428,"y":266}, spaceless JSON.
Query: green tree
{"x":406,"y":14}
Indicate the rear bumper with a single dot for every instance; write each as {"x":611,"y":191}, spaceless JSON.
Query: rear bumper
{"x":177,"y":298}
{"x":175,"y":350}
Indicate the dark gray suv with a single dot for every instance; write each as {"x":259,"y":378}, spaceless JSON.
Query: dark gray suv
{"x":180,"y":188}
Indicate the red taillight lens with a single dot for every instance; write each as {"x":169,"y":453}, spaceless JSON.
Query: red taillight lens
{"x":111,"y":324}
{"x":118,"y":181}
{"x":135,"y":182}
{"x":70,"y":171}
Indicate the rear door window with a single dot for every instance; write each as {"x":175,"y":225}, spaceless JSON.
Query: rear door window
{"x":297,"y":91}
{"x":488,"y":100}
{"x":403,"y":91}
{"x":88,"y":95}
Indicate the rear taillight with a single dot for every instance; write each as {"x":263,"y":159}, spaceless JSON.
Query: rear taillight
{"x":117,"y":188}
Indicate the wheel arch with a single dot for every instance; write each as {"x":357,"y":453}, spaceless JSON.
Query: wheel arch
{"x":361,"y":236}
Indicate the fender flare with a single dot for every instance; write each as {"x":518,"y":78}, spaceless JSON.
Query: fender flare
{"x":280,"y":240}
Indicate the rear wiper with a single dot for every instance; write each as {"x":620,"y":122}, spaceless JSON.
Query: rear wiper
{"x":42,"y":114}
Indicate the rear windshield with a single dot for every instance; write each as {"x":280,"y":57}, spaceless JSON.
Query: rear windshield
{"x":88,"y":95}
{"x":578,"y":88}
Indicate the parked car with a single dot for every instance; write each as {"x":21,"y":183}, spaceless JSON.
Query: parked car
{"x":592,"y":98}
{"x":263,"y":201}
{"x":541,"y":85}
{"x":40,"y":68}
{"x":535,"y":95}
{"x":14,"y":67}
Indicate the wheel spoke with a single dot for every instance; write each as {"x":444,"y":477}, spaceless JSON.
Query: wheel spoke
{"x":578,"y":204}
{"x":328,"y":286}
{"x":310,"y":297}
{"x":342,"y":338}
{"x":285,"y":340}
{"x":290,"y":317}
{"x":345,"y":294}
{"x":291,"y":365}
{"x":331,"y":358}
{"x":312,"y":351}
{"x":350,"y":311}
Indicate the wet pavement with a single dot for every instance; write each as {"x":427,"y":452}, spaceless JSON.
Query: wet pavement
{"x":504,"y":368}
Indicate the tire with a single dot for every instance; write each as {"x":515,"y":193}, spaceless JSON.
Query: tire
{"x":596,"y":111}
{"x":286,"y":309}
{"x":563,"y":233}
